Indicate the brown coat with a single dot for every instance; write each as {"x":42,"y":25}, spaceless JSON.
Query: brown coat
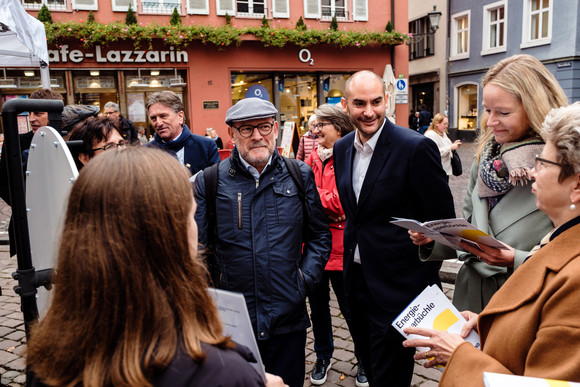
{"x":531,"y":326}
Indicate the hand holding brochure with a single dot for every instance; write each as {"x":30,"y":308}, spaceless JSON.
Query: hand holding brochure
{"x":450,"y":232}
{"x":432,"y":309}
{"x":236,"y":320}
{"x":491,"y":379}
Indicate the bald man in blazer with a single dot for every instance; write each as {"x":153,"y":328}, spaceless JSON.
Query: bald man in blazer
{"x":385,"y":171}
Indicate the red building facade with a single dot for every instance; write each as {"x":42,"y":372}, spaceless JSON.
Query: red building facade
{"x":210,"y":79}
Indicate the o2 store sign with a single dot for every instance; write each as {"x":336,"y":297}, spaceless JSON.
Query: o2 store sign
{"x":64,"y":55}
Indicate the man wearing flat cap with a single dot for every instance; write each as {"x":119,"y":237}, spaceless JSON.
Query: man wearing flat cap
{"x":260,"y":217}
{"x":173,"y":136}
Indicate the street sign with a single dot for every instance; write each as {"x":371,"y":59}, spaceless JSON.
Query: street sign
{"x":402,"y":94}
{"x":402,"y":86}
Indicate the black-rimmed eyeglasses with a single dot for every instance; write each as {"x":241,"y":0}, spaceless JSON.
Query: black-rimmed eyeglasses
{"x":320,"y":125}
{"x":264,"y":128}
{"x":541,"y":161}
{"x":110,"y":146}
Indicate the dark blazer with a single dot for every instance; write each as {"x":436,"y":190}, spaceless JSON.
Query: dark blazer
{"x":405,"y":179}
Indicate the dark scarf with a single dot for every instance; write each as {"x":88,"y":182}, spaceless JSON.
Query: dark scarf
{"x":503,"y":166}
{"x":175,"y":145}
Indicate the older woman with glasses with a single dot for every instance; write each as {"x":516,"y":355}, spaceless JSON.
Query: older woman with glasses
{"x":331,"y":124}
{"x":531,"y":326}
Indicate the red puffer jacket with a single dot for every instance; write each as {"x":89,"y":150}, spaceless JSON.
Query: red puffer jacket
{"x":326,"y":184}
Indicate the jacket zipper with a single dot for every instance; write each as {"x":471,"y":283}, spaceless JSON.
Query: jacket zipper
{"x":240,"y":211}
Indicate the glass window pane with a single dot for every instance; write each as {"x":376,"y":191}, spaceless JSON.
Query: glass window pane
{"x":534,"y":27}
{"x":493,"y":36}
{"x":535,"y":5}
{"x":493,"y":15}
{"x":243,"y":7}
{"x":501,"y":34}
{"x":501,"y":13}
{"x":467,"y":107}
{"x":546,"y":4}
{"x":545,"y":24}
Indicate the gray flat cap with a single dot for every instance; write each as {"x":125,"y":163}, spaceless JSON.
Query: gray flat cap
{"x":250,"y":109}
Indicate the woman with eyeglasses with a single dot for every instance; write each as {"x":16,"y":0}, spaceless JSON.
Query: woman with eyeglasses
{"x":331,"y":124}
{"x":518,"y":93}
{"x":531,"y":326}
{"x":130,"y":304}
{"x":98,"y":135}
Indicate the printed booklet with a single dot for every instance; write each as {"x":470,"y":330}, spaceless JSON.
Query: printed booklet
{"x":450,"y":232}
{"x":234,"y":315}
{"x":491,"y":379}
{"x":432,"y":309}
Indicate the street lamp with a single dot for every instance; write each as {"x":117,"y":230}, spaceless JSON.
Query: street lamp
{"x":434,"y":17}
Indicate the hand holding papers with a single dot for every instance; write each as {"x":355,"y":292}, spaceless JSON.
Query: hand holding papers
{"x":234,"y":315}
{"x":450,"y":232}
{"x":432,"y":309}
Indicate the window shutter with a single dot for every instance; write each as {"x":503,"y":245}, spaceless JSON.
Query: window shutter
{"x":360,"y":10}
{"x":281,"y":8}
{"x":312,"y":9}
{"x":123,"y":5}
{"x":226,"y":6}
{"x":85,"y":5}
{"x":198,"y":7}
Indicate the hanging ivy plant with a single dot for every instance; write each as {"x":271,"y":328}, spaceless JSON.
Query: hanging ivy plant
{"x":91,"y":33}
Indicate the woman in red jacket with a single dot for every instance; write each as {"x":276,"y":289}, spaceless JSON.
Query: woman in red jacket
{"x":331,"y":124}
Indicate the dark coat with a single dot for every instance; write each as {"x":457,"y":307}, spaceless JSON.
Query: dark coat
{"x":128,"y":131}
{"x":263,"y":249}
{"x":221,"y":368}
{"x":404,"y":180}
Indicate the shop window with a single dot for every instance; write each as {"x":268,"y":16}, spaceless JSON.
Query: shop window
{"x":424,"y":42}
{"x":494,"y":27}
{"x":251,"y":85}
{"x":459,"y":46}
{"x":333,"y":87}
{"x":298,"y":99}
{"x":467,"y":107}
{"x":330,"y":8}
{"x":160,"y":6}
{"x":537,"y":23}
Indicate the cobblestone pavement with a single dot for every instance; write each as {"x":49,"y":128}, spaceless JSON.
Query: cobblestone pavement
{"x":343,"y":370}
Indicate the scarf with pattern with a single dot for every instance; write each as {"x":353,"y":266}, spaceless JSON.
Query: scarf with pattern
{"x":504,"y":166}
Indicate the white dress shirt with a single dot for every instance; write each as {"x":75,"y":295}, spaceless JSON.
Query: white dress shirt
{"x":360,"y":165}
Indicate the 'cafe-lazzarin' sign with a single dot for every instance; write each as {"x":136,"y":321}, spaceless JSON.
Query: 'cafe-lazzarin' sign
{"x":64,"y":55}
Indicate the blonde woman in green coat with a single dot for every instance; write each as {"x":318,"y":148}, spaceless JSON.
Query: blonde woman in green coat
{"x":518,"y":92}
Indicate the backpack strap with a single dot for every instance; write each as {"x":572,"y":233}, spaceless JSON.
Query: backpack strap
{"x":294,"y":170}
{"x":210,"y":177}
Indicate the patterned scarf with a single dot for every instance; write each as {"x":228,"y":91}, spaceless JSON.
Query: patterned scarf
{"x":503,"y":166}
{"x":324,"y":153}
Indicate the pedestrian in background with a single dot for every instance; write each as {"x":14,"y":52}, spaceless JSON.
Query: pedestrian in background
{"x":331,"y":124}
{"x":424,"y":119}
{"x":438,"y":133}
{"x":126,"y":126}
{"x":308,"y":141}
{"x":518,"y":92}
